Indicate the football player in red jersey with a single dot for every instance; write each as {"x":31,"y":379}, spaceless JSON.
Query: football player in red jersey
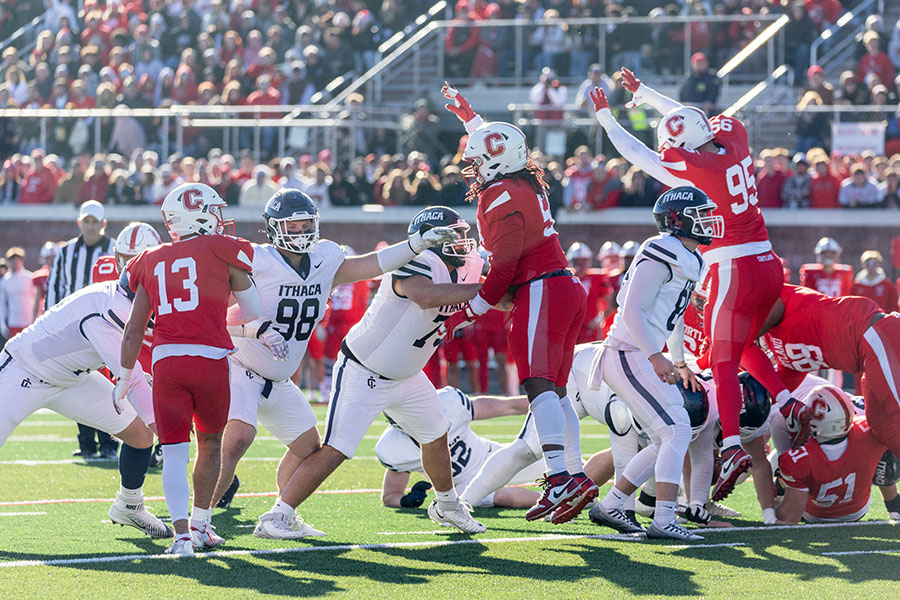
{"x":873,"y":283}
{"x":596,"y":285}
{"x":528,"y":264}
{"x":827,"y":275}
{"x":828,"y":478}
{"x":745,"y":276}
{"x":39,"y":278}
{"x":807,"y":331}
{"x":186,"y":284}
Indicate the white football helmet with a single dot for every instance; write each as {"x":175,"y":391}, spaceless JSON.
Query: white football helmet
{"x":48,"y":253}
{"x":195,"y":208}
{"x":832,"y":412}
{"x":827,"y":244}
{"x":609,"y":255}
{"x":579,"y":250}
{"x":686,"y":127}
{"x":134,"y":239}
{"x":629,"y":249}
{"x":495,"y":149}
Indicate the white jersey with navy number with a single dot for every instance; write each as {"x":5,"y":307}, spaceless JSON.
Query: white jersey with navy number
{"x":666,"y":305}
{"x":398,"y":452}
{"x":294,"y":300}
{"x":395,"y":337}
{"x":55,"y":348}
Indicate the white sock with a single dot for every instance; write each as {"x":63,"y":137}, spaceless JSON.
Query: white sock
{"x":551,"y":425}
{"x":448,"y":499}
{"x":175,"y":483}
{"x":614,"y":499}
{"x":283,"y":507}
{"x":664,"y":512}
{"x":782,"y":397}
{"x":500,"y":467}
{"x":731,"y":441}
{"x":572,"y":436}
{"x":128,"y":496}
{"x":200,"y":516}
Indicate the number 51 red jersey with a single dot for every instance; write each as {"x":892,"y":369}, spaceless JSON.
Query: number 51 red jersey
{"x":189,"y":286}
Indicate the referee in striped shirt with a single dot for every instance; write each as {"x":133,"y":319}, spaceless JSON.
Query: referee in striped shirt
{"x":72,"y":271}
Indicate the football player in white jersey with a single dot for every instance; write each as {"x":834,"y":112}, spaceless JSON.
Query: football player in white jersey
{"x":379,"y":369}
{"x":294,"y":276}
{"x":53,"y":364}
{"x":653,"y":298}
{"x":399,"y":452}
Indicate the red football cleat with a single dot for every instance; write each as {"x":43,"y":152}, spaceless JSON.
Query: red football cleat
{"x":587,"y":493}
{"x":558,"y":489}
{"x":735,"y":462}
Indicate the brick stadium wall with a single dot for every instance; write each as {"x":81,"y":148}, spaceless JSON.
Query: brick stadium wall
{"x":794,"y":242}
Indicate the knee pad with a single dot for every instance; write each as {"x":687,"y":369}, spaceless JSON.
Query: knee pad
{"x":677,"y":436}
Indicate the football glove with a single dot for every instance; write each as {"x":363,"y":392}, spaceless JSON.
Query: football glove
{"x":631,"y":83}
{"x":120,"y":392}
{"x":461,"y":318}
{"x":697,"y":513}
{"x":416,"y":495}
{"x":419,"y":242}
{"x":270,"y":337}
{"x":797,"y":418}
{"x":598,"y":97}
{"x":460,"y":106}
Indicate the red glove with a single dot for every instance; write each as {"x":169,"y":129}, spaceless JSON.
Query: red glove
{"x":598,"y":97}
{"x":798,"y":417}
{"x":460,"y":106}
{"x":461,"y":318}
{"x":629,"y":81}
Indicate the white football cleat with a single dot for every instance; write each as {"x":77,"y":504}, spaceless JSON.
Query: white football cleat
{"x":279,"y":526}
{"x":672,"y":531}
{"x":135,"y":515}
{"x":720,"y":510}
{"x":616,"y":518}
{"x":458,"y":517}
{"x":181,"y":547}
{"x":206,"y":537}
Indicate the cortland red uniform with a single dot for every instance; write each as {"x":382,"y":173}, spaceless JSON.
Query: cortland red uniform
{"x":490,"y":333}
{"x":188,"y":283}
{"x":839,"y":490}
{"x":461,"y":344}
{"x":597,"y":286}
{"x":834,"y":284}
{"x":348,"y":305}
{"x":695,"y":341}
{"x":848,"y":334}
{"x":879,"y":289}
{"x":745,"y":276}
{"x":516,"y":228}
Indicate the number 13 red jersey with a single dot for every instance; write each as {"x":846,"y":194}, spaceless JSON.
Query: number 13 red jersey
{"x":189,"y":287}
{"x":729,"y":179}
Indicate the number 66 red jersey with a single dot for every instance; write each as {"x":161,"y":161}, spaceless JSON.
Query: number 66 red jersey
{"x":189,"y":287}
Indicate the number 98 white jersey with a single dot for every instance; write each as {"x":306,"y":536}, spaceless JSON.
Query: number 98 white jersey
{"x":396,"y":338}
{"x":294,"y":300}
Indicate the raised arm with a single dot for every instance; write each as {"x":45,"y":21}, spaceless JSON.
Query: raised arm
{"x":644,"y":94}
{"x":461,"y":108}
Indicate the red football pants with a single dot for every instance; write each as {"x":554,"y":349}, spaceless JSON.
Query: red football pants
{"x":742,"y":291}
{"x":546,"y":319}
{"x":186,"y":389}
{"x":881,"y":380}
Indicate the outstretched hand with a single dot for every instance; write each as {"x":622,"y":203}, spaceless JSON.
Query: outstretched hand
{"x":598,"y":97}
{"x":460,"y":106}
{"x":630,"y":81}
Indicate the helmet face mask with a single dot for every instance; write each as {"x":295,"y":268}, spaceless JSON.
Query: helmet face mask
{"x":686,"y":212}
{"x":452,"y":253}
{"x":493,"y":150}
{"x":292,"y":206}
{"x":463,"y":246}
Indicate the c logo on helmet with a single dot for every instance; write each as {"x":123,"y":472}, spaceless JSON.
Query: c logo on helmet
{"x":675,"y":126}
{"x":493,"y":143}
{"x":192,"y":199}
{"x":818,"y":407}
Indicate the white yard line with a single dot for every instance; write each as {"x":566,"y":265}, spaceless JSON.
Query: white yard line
{"x":21,"y":514}
{"x":162,"y":498}
{"x":695,"y":546}
{"x":855,"y":552}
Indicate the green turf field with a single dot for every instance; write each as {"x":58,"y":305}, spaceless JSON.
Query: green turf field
{"x":64,"y":549}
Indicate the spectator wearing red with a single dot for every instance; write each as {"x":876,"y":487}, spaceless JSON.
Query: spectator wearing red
{"x":40,"y":182}
{"x":96,"y":182}
{"x":579,"y":176}
{"x":872,"y":282}
{"x":824,"y":187}
{"x":185,"y":89}
{"x":823,"y":13}
{"x":769,"y":181}
{"x":460,"y":45}
{"x":95,"y":32}
{"x":874,"y":61}
{"x":604,"y":190}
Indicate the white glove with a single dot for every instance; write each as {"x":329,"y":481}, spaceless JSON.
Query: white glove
{"x":121,"y":390}
{"x":272,"y":339}
{"x":769,"y":517}
{"x":420,"y":242}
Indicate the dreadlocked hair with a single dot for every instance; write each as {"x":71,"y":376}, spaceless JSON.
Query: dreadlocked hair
{"x":532,"y":173}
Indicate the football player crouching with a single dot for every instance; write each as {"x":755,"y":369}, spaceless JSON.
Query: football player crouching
{"x":294,"y":275}
{"x":399,"y":453}
{"x":827,"y":479}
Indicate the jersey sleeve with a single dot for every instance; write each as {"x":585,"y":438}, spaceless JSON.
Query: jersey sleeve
{"x":507,"y":240}
{"x":397,"y":451}
{"x":457,"y":407}
{"x":795,"y":469}
{"x":236,"y":252}
{"x":423,"y":265}
{"x":133,"y":274}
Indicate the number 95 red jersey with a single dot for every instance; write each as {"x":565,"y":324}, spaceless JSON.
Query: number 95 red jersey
{"x":189,"y":286}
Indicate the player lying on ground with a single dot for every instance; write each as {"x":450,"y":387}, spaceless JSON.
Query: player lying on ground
{"x":294,"y":276}
{"x":528,"y":264}
{"x":744,"y":276}
{"x":187,"y":285}
{"x":379,"y":369}
{"x":53,"y":364}
{"x":652,"y":300}
{"x":468,"y":451}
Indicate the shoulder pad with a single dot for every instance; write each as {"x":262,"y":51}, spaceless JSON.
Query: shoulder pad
{"x":328,"y":248}
{"x":497,"y":201}
{"x":661,"y":248}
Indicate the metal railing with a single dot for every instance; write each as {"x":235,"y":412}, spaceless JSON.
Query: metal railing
{"x":420,"y":63}
{"x":836,"y":43}
{"x":304,"y":128}
{"x":27,"y":33}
